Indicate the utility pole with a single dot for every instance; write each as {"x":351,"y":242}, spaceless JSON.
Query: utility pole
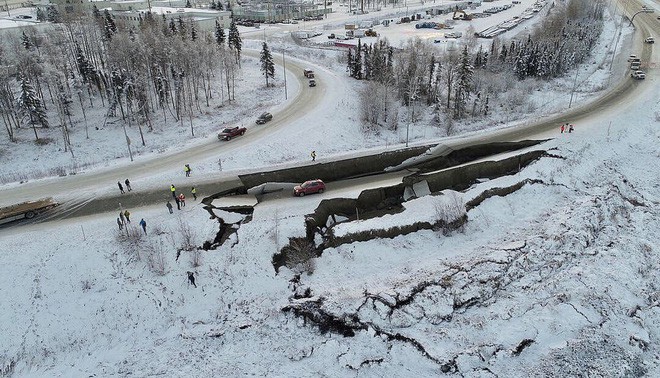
{"x":577,"y":70}
{"x":128,"y":141}
{"x":284,"y":69}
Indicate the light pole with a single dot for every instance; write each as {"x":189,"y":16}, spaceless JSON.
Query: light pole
{"x":645,"y":10}
{"x":284,"y":69}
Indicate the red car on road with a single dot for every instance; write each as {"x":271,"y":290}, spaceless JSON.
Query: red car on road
{"x":309,"y":187}
{"x":231,"y":132}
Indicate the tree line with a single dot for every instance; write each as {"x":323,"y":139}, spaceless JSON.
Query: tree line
{"x":466,"y":82}
{"x":159,"y":66}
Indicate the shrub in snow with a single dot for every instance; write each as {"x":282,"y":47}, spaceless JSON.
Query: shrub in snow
{"x":188,"y":236}
{"x":156,"y":259}
{"x":448,"y":209}
{"x":298,"y":256}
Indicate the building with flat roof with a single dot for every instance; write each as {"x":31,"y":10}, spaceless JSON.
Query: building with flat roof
{"x":8,"y":5}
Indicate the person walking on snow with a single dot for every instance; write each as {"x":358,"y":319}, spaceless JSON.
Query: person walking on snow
{"x":127,"y":214}
{"x":169,"y":207}
{"x":313,"y":155}
{"x":121,"y":188}
{"x":178,"y":203}
{"x":194,"y":193}
{"x":187,"y":169}
{"x":182,"y":199}
{"x":120,"y":224}
{"x":121,"y":216}
{"x":173,"y":190}
{"x":128,"y":185}
{"x":562,"y":128}
{"x":191,"y":278}
{"x":144,"y":225}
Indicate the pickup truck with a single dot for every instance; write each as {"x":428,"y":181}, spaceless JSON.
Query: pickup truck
{"x":639,"y":75}
{"x":27,"y":210}
{"x":231,"y":132}
{"x":308,"y":74}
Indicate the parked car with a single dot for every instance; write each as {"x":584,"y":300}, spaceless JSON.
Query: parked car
{"x":331,"y":36}
{"x":309,"y":187}
{"x":312,"y":82}
{"x":231,"y":132}
{"x":632,"y":57}
{"x":263,"y":118}
{"x":650,"y":40}
{"x":635,"y":65}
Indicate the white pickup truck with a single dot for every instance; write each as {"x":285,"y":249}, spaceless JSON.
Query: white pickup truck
{"x":639,"y":75}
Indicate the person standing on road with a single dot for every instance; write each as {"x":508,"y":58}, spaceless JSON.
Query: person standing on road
{"x":178,"y":203}
{"x":182,"y":199}
{"x":128,"y":185}
{"x":194,"y":193}
{"x":570,"y":128}
{"x":121,"y":187}
{"x":144,"y":225}
{"x":120,"y":224}
{"x":173,"y":190}
{"x":169,"y":207}
{"x":121,"y":216}
{"x":561,"y":129}
{"x":187,"y":169}
{"x":313,"y":155}
{"x":127,"y":214}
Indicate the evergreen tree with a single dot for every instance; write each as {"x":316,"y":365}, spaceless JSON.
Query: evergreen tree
{"x":85,"y":68}
{"x":368,"y":63}
{"x":219,"y":34}
{"x":52,"y":14}
{"x":234,"y":40}
{"x":193,"y":31}
{"x":351,"y":63}
{"x":172,"y":26}
{"x":357,"y":62}
{"x":96,"y":13}
{"x":41,"y":15}
{"x":181,"y":27}
{"x":25,"y":41}
{"x":267,"y":65}
{"x":212,"y":5}
{"x":31,"y":106}
{"x":218,"y":6}
{"x":188,"y":5}
{"x":464,"y":85}
{"x":109,"y":26}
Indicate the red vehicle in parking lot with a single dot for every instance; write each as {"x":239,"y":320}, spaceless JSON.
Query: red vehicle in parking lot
{"x":309,"y":187}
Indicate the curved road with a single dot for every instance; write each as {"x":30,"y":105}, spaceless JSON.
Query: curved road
{"x":624,"y":92}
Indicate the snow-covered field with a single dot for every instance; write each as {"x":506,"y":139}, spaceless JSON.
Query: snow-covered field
{"x":556,"y":279}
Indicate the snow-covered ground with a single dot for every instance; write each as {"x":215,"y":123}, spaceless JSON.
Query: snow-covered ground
{"x":567,"y":264}
{"x":555,"y":279}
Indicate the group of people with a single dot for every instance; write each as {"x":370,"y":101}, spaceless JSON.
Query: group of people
{"x":566,"y":128}
{"x":121,"y":187}
{"x":180,"y":199}
{"x":124,"y":220}
{"x":125,"y":216}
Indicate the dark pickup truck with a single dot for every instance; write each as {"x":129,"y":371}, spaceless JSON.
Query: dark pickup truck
{"x":231,"y":132}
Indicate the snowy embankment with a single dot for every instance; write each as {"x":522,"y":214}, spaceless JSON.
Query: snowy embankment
{"x":554,"y":279}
